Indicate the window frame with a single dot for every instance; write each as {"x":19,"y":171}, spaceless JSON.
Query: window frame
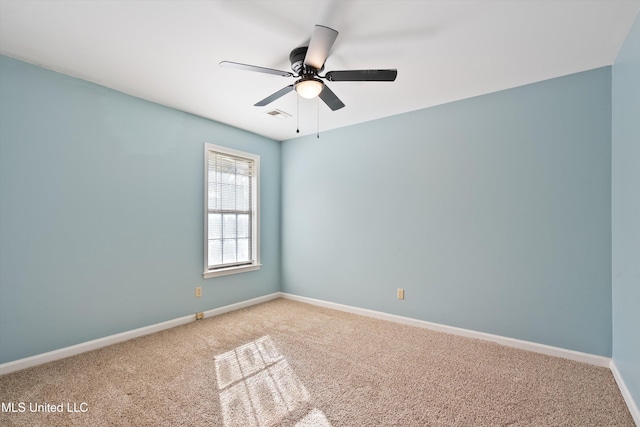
{"x":255,"y":217}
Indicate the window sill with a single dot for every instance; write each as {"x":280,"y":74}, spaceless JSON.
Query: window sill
{"x":231,"y":270}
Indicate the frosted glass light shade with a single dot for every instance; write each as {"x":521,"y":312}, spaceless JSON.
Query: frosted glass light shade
{"x":309,"y":88}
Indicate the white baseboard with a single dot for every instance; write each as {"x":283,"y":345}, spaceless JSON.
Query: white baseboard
{"x":631,"y":404}
{"x":62,"y":353}
{"x":241,"y":304}
{"x":591,"y":359}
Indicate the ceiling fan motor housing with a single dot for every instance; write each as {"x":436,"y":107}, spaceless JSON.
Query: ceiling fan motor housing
{"x":296,"y":57}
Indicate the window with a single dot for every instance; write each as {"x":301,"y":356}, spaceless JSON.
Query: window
{"x":231,"y":211}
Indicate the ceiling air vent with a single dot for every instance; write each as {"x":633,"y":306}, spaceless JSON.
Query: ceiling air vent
{"x":278,"y":114}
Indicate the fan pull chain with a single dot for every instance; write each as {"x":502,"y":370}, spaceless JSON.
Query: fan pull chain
{"x":297,"y":113}
{"x":318,"y":119}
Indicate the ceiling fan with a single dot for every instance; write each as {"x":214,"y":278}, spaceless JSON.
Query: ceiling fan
{"x":307,"y":62}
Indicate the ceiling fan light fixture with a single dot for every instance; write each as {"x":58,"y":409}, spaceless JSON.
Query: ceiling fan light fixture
{"x":309,"y":88}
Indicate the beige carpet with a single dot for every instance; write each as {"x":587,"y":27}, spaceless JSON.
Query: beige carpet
{"x":292,"y":364}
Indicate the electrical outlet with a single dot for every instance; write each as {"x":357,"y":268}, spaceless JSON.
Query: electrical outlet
{"x":200,"y":315}
{"x":198,"y":292}
{"x":400,"y":293}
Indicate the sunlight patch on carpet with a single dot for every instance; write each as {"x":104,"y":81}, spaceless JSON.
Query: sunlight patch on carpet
{"x":315,"y":418}
{"x":258,"y":387}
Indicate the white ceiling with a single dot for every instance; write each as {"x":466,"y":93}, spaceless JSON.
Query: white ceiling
{"x":168,"y":51}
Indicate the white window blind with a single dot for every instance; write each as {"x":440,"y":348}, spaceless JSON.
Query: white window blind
{"x":230,"y":210}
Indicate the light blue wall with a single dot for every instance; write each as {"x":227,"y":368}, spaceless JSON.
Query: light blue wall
{"x":626,"y":211}
{"x":493,"y":213}
{"x":101,"y":212}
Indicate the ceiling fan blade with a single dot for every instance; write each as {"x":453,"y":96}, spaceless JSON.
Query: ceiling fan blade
{"x":330,"y":99}
{"x":269,"y":99}
{"x":322,"y":40}
{"x":362,"y":76}
{"x":245,"y":67}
